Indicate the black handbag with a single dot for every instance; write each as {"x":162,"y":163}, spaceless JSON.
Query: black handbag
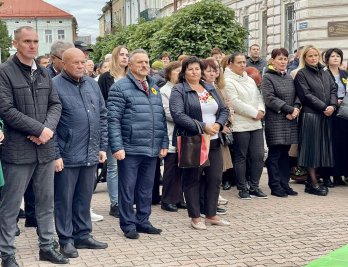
{"x":193,"y":150}
{"x":227,"y":139}
{"x":343,"y":109}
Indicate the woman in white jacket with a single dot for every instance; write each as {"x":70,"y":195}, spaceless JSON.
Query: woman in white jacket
{"x":249,"y":108}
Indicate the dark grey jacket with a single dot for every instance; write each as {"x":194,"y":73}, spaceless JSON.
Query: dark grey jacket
{"x":28,"y":105}
{"x":260,"y":64}
{"x":280,"y":99}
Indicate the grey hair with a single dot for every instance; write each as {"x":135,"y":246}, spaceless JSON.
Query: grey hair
{"x":59,"y":47}
{"x":137,"y":51}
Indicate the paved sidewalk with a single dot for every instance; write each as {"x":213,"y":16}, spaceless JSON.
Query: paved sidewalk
{"x":264,"y":232}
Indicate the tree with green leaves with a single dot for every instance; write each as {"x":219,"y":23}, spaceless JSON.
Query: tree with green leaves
{"x":193,"y":30}
{"x":5,"y":41}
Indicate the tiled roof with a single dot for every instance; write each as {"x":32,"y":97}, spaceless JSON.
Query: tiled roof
{"x":30,"y":9}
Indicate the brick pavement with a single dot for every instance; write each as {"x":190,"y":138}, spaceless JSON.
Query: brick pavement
{"x":264,"y":232}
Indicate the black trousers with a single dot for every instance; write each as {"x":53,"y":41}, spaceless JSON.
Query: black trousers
{"x":248,"y":147}
{"x":156,"y":197}
{"x":278,"y":167}
{"x":172,"y":187}
{"x":29,"y":202}
{"x":73,"y":189}
{"x":193,"y":180}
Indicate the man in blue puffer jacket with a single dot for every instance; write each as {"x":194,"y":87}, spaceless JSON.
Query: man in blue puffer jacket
{"x":137,"y":136}
{"x":81,"y":143}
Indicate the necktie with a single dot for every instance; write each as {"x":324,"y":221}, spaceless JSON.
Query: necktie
{"x":144,"y":86}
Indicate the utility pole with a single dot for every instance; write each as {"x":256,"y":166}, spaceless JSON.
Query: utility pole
{"x":175,"y":5}
{"x":138,"y":9}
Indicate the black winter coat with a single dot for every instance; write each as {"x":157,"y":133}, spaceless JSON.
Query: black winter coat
{"x":184,"y":107}
{"x":316,"y":89}
{"x":28,"y":104}
{"x":105,"y":82}
{"x":280,"y":100}
{"x":343,"y":78}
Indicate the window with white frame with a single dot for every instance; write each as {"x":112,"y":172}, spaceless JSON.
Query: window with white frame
{"x":61,"y":34}
{"x":48,"y":36}
{"x":289,"y":27}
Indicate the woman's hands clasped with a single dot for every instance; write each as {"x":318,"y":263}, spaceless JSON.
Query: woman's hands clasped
{"x":293,"y":115}
{"x":212,"y":129}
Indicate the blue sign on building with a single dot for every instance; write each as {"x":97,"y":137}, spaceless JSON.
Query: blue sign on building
{"x":303,"y":25}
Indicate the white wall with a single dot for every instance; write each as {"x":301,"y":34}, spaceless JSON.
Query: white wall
{"x":40,"y":25}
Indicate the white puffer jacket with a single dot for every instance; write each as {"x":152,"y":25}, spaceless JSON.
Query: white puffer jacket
{"x":246,"y":100}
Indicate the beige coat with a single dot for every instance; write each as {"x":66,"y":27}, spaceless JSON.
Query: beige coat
{"x":226,"y":155}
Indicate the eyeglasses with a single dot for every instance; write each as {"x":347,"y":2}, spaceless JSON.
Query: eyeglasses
{"x":57,"y":57}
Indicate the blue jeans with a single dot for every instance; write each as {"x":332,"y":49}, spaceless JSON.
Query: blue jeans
{"x":112,"y":178}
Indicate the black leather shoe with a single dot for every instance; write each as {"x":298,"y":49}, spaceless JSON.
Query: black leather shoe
{"x":18,"y":231}
{"x":149,"y":230}
{"x":9,"y":262}
{"x":90,"y":243}
{"x":279,"y":193}
{"x":337,"y":180}
{"x":53,"y":256}
{"x":114,"y":211}
{"x":68,"y":250}
{"x":30,"y":223}
{"x":169,"y":207}
{"x":181,"y":205}
{"x":132,"y":234}
{"x":319,"y":191}
{"x":226,"y":186}
{"x":291,"y":192}
{"x":327,"y":182}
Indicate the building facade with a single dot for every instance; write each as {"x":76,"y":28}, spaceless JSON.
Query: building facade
{"x":84,"y":38}
{"x":50,"y":22}
{"x":293,"y":23}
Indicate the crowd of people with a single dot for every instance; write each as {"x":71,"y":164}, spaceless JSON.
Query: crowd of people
{"x":59,"y":121}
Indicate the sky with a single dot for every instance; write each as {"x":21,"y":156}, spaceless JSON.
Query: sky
{"x":86,"y":13}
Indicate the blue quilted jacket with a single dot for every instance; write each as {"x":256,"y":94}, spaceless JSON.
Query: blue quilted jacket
{"x":82,"y":129}
{"x":137,"y":122}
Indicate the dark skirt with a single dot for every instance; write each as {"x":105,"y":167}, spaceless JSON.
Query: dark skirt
{"x":340,"y":146}
{"x":315,"y":141}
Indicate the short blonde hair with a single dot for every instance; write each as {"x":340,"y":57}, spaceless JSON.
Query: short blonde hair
{"x":304,"y":53}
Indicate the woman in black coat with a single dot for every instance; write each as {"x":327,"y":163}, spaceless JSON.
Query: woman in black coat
{"x":282,"y":110}
{"x":333,"y":60}
{"x":318,"y":94}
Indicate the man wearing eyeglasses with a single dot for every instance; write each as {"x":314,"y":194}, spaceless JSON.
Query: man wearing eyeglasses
{"x":30,"y":109}
{"x":57,"y":50}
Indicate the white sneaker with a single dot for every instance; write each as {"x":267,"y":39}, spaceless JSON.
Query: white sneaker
{"x":96,"y":217}
{"x":222,"y":201}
